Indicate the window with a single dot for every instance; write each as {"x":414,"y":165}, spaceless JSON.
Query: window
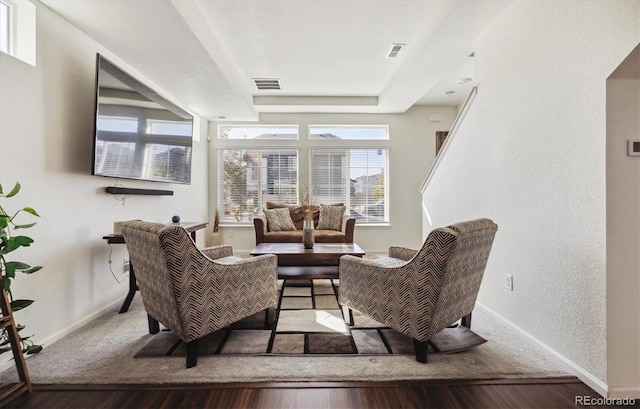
{"x":5,"y":28}
{"x":18,"y":30}
{"x":360,"y":132}
{"x":258,"y":132}
{"x":253,"y":177}
{"x":355,"y":177}
{"x":341,"y":164}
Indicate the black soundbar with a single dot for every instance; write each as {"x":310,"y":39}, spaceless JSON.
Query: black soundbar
{"x":131,"y":191}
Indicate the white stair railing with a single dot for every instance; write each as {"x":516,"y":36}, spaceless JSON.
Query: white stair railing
{"x":456,"y":124}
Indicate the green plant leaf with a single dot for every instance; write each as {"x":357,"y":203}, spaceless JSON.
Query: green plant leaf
{"x":32,"y":270}
{"x":14,"y":191}
{"x":13,"y":243}
{"x":17,"y":305}
{"x":31,"y":210}
{"x":10,"y":271}
{"x":34,"y":349}
{"x":16,"y":265}
{"x":24,"y":226}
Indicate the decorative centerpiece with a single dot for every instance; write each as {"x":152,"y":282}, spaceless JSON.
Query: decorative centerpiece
{"x":214,"y":238}
{"x":307,"y":224}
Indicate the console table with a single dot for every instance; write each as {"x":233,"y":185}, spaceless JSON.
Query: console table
{"x":191,"y":227}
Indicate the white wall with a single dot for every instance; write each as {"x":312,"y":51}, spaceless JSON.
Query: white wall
{"x":411,"y":152}
{"x":46,"y":131}
{"x":531,"y":156}
{"x":623,"y":228}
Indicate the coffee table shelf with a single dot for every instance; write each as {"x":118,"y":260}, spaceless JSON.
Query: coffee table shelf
{"x":308,"y":272}
{"x":294,"y":261}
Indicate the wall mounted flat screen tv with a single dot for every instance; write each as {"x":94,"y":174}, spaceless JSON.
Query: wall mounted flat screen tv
{"x":138,"y":133}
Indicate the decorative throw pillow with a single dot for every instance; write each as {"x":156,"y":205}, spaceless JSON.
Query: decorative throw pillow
{"x":331,"y":217}
{"x":279,"y":219}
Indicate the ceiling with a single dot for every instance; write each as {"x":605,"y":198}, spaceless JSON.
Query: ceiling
{"x":328,"y":55}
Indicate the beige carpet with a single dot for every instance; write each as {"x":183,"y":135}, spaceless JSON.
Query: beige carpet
{"x":102,"y":352}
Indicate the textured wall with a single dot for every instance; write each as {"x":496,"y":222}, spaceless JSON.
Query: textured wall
{"x":46,"y":129}
{"x":623,"y":229}
{"x":531,"y":156}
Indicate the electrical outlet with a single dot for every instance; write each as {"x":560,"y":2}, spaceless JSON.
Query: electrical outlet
{"x":230,"y":234}
{"x":125,"y":266}
{"x":508,"y":282}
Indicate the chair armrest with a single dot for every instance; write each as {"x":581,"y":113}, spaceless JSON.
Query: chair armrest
{"x":348,"y":228}
{"x":402,"y":253}
{"x":220,"y":251}
{"x":260,"y":226}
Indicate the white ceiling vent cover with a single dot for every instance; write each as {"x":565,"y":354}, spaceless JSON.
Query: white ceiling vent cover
{"x":267,"y":83}
{"x":395,"y":49}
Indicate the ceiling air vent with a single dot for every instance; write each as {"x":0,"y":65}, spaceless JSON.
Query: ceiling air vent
{"x":395,"y":49}
{"x":267,"y":83}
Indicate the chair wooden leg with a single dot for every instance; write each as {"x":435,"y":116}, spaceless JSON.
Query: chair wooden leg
{"x":421,"y":350}
{"x":270,"y":317}
{"x":192,"y":353}
{"x":466,"y":321}
{"x":154,"y":325}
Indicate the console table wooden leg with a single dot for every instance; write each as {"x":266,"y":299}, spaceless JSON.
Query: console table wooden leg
{"x":133,"y":287}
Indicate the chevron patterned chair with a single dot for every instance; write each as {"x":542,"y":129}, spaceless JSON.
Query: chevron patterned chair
{"x":421,"y":292}
{"x":196,"y":292}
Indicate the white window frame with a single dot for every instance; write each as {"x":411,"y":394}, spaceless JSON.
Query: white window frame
{"x":243,"y":210}
{"x":262,"y":145}
{"x":303,"y":145}
{"x":250,"y":127}
{"x":22,"y":30}
{"x":350,"y":129}
{"x":8,"y":26}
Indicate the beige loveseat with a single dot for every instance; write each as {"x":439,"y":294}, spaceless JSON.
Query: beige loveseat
{"x":264,"y":235}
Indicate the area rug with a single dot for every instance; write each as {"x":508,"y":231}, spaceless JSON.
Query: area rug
{"x":102,"y":352}
{"x":308,"y":321}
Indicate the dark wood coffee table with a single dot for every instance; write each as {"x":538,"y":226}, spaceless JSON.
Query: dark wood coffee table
{"x":294,"y":261}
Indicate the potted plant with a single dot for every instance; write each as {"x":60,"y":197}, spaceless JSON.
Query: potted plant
{"x":10,"y":242}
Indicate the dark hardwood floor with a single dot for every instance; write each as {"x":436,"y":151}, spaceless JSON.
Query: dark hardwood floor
{"x":529,"y":393}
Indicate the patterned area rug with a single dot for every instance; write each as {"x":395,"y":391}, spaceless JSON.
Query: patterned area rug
{"x":309,"y":321}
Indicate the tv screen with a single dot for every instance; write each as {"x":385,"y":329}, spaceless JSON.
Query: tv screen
{"x":138,"y":133}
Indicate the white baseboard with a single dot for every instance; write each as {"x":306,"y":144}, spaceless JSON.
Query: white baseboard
{"x":586,"y":377}
{"x":619,"y":392}
{"x":62,"y":333}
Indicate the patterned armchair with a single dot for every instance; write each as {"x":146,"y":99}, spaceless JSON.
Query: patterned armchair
{"x":196,"y":292}
{"x":419,"y":293}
